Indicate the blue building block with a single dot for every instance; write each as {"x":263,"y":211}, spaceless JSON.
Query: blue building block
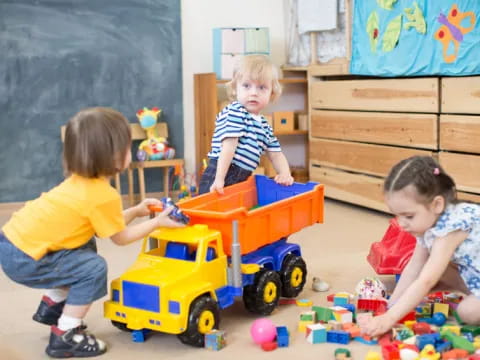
{"x":215,"y":340}
{"x":139,"y":335}
{"x":338,"y":337}
{"x":283,"y":337}
{"x":425,"y":339}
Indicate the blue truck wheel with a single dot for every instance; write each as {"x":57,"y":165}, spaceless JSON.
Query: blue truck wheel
{"x":262,"y":296}
{"x":293,"y":275}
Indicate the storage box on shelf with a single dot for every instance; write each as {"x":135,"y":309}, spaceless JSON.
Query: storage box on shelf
{"x":231,"y":43}
{"x":359,"y":128}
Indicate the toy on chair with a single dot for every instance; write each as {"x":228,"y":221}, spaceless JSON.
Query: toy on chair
{"x":154,"y":147}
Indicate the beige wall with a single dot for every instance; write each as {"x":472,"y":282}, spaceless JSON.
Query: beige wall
{"x":199,"y":17}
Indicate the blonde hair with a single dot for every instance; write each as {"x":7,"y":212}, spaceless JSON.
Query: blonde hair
{"x":256,"y":67}
{"x":96,"y":143}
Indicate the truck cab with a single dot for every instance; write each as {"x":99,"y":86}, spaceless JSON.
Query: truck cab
{"x":176,"y":275}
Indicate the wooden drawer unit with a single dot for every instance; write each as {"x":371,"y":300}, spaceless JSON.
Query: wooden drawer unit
{"x":461,"y":95}
{"x":364,"y":158}
{"x":404,"y":95}
{"x":354,"y":188}
{"x":460,"y":133}
{"x":412,"y":130}
{"x":464,"y":168}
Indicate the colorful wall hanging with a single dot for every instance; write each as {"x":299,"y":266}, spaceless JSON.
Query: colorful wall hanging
{"x":416,"y":37}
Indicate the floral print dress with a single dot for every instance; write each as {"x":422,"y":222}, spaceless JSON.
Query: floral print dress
{"x":464,"y":217}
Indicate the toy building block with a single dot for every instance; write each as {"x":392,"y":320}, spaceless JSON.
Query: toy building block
{"x":474,"y":330}
{"x":316,"y":334}
{"x":458,"y":342}
{"x":341,"y":298}
{"x":303,"y":324}
{"x":308,"y":316}
{"x":411,"y":316}
{"x":341,"y":315}
{"x":215,"y":340}
{"x":367,"y":340}
{"x":283,"y":337}
{"x":338,"y":337}
{"x":453,"y":328}
{"x":269,"y":345}
{"x":443,"y":346}
{"x":287,"y":301}
{"x":139,"y":335}
{"x":421,"y":328}
{"x":424,"y":310}
{"x":352,"y":329}
{"x":304,"y":302}
{"x":342,"y":354}
{"x":441,"y":308}
{"x":423,"y":340}
{"x":390,"y":352}
{"x":373,"y":355}
{"x":379,"y":306}
{"x":323,"y":314}
{"x":454,"y":354}
{"x":334,"y":325}
{"x":283,"y":121}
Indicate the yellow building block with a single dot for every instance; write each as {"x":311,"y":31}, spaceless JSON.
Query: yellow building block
{"x":302,"y":325}
{"x":442,"y":308}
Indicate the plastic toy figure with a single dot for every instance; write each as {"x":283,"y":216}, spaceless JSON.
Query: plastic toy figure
{"x":154,"y":147}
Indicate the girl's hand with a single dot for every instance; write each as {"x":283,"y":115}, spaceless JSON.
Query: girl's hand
{"x":379,"y":325}
{"x":163,"y":220}
{"x":218,"y":186}
{"x":142,"y":208}
{"x":284,"y":179}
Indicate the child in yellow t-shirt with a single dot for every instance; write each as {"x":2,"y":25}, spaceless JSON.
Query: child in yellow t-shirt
{"x":50,"y":242}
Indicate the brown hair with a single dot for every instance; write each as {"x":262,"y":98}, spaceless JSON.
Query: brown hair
{"x":256,"y":67}
{"x":96,"y":142}
{"x":426,"y":175}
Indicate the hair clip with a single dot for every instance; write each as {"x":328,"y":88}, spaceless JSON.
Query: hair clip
{"x":436,"y":171}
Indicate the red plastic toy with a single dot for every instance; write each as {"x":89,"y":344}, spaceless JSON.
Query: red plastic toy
{"x":389,"y":256}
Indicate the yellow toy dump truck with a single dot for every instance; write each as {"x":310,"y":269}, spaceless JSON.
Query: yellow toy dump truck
{"x":236,"y":245}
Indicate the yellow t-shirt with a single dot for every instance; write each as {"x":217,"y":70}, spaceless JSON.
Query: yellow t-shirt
{"x":66,"y":217}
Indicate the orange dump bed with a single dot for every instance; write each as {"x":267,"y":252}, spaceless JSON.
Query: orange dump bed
{"x":265,"y":211}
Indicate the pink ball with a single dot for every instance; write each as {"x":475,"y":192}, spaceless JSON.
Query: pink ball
{"x":263,"y":330}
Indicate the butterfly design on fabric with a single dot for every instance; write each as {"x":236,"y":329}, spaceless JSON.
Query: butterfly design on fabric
{"x":452,"y":31}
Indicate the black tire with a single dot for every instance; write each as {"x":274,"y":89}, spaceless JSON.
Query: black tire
{"x":262,"y":296}
{"x":204,"y":316}
{"x":293,"y":275}
{"x":121,"y":326}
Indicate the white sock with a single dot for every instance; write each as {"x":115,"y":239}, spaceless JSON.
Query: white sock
{"x":56,"y":295}
{"x":66,"y":322}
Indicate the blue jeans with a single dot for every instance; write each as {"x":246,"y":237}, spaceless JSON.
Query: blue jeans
{"x":81,"y":270}
{"x":235,"y":174}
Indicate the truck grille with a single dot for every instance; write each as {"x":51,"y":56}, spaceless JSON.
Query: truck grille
{"x":141,"y":296}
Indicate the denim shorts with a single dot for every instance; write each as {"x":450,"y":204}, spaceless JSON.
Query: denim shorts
{"x":235,"y":174}
{"x":81,"y":270}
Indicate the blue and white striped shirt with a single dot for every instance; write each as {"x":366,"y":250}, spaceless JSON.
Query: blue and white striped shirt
{"x":255,"y":136}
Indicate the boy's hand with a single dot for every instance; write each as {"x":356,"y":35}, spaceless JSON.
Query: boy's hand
{"x":163,"y":220}
{"x":284,"y":179}
{"x":142,"y":208}
{"x":379,"y":325}
{"x":217,"y":186}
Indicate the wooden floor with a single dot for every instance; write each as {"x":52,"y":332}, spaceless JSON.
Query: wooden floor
{"x":335,"y":251}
